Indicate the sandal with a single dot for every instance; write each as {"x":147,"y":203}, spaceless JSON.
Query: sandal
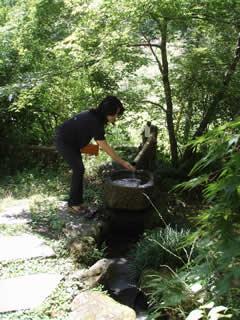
{"x":77,"y":210}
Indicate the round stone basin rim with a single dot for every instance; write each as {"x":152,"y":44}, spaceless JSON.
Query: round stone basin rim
{"x":146,"y":178}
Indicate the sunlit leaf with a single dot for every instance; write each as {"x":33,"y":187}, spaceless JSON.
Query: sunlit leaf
{"x":195,"y":315}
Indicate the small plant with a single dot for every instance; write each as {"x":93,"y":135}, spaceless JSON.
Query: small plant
{"x":92,"y":256}
{"x":85,"y":250}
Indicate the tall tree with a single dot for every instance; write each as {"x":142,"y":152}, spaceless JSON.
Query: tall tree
{"x":168,"y":29}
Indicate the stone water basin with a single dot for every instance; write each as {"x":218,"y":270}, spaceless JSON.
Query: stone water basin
{"x":124,"y":189}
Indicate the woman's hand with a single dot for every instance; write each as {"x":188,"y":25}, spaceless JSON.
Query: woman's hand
{"x":111,"y":152}
{"x":128,"y":166}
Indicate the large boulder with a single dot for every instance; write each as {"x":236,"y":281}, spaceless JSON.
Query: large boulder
{"x":90,"y":278}
{"x":94,"y":305}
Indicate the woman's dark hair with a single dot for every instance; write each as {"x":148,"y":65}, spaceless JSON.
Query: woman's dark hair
{"x":108,"y":107}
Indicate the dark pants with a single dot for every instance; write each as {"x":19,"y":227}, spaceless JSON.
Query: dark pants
{"x":74,"y":160}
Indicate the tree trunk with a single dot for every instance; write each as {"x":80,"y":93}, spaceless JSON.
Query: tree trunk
{"x":188,"y":120}
{"x":168,"y":96}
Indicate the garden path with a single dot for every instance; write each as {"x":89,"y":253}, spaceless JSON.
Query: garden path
{"x":30,"y":290}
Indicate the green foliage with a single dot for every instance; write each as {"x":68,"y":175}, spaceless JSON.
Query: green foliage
{"x":45,"y":213}
{"x":169,"y":294}
{"x":219,"y":225}
{"x":221,"y":186}
{"x":188,"y":292}
{"x":158,"y":247}
{"x":176,"y":302}
{"x":209,"y":312}
{"x":60,"y":57}
{"x":93,"y":254}
{"x":207,"y":287}
{"x":36,"y":181}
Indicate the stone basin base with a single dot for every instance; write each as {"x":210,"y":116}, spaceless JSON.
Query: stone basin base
{"x":128,"y":197}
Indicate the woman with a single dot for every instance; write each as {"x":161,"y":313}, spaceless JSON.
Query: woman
{"x":76,"y":133}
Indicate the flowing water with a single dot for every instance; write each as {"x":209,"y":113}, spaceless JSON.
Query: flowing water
{"x":142,"y":316}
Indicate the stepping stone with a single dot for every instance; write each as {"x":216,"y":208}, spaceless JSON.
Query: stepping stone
{"x":24,"y":246}
{"x":18,"y":213}
{"x":26,"y":292}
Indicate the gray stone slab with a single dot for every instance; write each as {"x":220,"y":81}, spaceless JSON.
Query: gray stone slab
{"x":26,"y":292}
{"x":24,"y":246}
{"x":18,"y":213}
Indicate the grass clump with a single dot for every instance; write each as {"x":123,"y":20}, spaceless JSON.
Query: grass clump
{"x":160,"y":246}
{"x":156,"y":259}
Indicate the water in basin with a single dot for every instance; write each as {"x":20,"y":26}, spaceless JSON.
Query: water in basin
{"x":127,"y":190}
{"x":128,"y":182}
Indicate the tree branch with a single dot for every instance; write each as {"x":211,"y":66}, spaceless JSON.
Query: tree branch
{"x":144,"y":45}
{"x":193,"y":16}
{"x":155,"y":104}
{"x":154,"y":54}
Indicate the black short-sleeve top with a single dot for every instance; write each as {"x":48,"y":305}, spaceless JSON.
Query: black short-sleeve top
{"x":79,"y":130}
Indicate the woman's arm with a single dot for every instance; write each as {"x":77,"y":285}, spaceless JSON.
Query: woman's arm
{"x":109,"y":150}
